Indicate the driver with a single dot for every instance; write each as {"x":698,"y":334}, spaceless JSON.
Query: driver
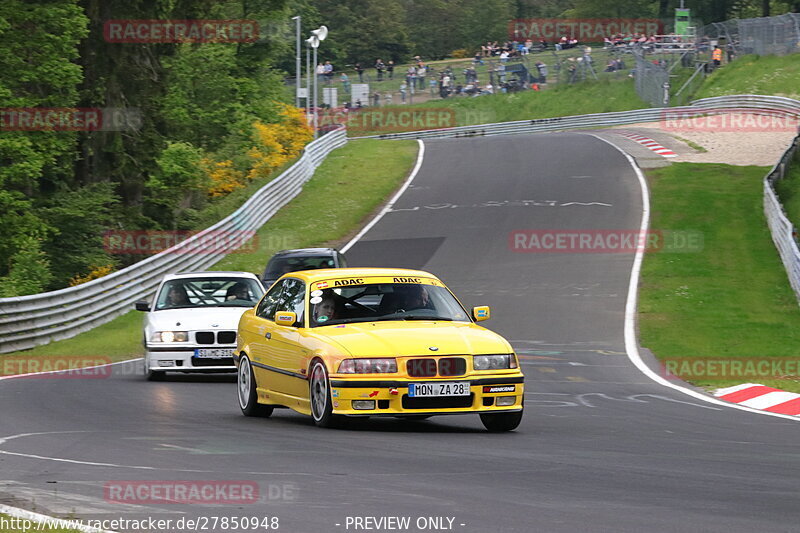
{"x":177,"y":296}
{"x":325,"y":310}
{"x":238,"y":291}
{"x":414,"y":297}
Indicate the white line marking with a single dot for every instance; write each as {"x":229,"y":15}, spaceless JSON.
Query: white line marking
{"x":388,"y":207}
{"x":631,"y":342}
{"x":735,"y":388}
{"x":4,"y":440}
{"x":67,"y":370}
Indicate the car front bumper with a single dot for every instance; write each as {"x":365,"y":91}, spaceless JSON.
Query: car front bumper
{"x":183,"y":359}
{"x":391,"y":397}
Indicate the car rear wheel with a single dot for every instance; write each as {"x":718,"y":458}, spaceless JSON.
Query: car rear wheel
{"x":320,"y":397}
{"x":498,"y":422}
{"x":246,"y":386}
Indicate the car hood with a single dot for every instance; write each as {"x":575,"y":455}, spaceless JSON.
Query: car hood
{"x":393,"y":339}
{"x":195,"y":319}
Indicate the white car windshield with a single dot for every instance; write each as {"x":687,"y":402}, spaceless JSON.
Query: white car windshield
{"x":209,"y":292}
{"x":383,"y":302}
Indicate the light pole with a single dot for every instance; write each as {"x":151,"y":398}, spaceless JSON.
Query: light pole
{"x":308,"y":80}
{"x":297,"y":62}
{"x":317,"y":36}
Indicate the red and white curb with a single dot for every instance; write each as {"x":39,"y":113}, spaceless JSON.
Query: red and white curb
{"x":647,"y":142}
{"x":762,"y":397}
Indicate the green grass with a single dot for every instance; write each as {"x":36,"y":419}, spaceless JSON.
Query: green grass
{"x":19,"y":522}
{"x":768,"y":75}
{"x":351,"y":184}
{"x":788,"y":190}
{"x":733,"y":299}
{"x":587,"y":97}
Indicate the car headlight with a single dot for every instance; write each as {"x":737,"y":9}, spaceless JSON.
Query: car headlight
{"x":494,"y":362}
{"x":368,"y":366}
{"x":169,"y":336}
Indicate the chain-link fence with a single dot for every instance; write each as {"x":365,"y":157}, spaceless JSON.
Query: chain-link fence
{"x":763,"y":36}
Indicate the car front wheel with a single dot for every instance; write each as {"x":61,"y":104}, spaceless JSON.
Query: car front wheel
{"x":498,"y":422}
{"x":248,"y":396}
{"x":320,"y":397}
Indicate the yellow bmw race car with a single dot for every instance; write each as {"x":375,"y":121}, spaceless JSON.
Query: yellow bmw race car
{"x":349,"y":342}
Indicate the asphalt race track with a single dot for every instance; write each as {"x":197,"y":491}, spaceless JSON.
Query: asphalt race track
{"x":601,"y":447}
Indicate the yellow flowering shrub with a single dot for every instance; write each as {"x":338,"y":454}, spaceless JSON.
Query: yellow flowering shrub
{"x":94,"y":273}
{"x":223,"y":176}
{"x":279,"y":142}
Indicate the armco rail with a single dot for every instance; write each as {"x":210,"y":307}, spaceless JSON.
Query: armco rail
{"x":38,"y":319}
{"x":29,"y":321}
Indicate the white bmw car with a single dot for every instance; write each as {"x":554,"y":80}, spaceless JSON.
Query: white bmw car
{"x":191,"y":324}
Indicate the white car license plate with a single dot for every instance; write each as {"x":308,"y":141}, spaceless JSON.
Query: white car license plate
{"x":213,"y":352}
{"x":442,"y":388}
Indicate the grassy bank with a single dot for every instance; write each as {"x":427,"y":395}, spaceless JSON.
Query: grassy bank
{"x":587,"y":97}
{"x":732,"y":300}
{"x":788,"y":190}
{"x":352,"y":183}
{"x":770,"y":75}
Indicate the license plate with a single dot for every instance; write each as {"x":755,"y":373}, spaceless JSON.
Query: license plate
{"x":213,"y":352}
{"x":442,"y":388}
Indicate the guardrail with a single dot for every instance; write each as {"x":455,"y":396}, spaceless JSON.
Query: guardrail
{"x":784,"y":233}
{"x":28,"y":321}
{"x":604,"y":120}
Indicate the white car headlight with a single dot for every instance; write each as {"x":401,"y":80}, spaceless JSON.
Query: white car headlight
{"x":368,"y":366}
{"x":169,"y":336}
{"x":494,"y":362}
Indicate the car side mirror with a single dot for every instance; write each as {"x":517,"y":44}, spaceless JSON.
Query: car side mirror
{"x":285,"y":318}
{"x":143,"y":305}
{"x":481,"y":313}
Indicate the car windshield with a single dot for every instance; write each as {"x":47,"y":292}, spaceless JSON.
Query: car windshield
{"x":209,"y":292}
{"x":383,"y":302}
{"x":279,"y":266}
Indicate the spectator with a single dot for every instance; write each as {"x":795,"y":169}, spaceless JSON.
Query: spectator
{"x":411,"y":76}
{"x":345,"y":83}
{"x":327,"y":69}
{"x":433,"y":85}
{"x":478,"y":59}
{"x":542,"y":70}
{"x":380,"y":66}
{"x":403,"y":90}
{"x":360,"y":72}
{"x":320,"y":72}
{"x":390,"y":69}
{"x":421,"y":72}
{"x":376,"y":99}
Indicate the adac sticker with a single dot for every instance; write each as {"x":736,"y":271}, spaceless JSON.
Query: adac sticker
{"x":346,"y":282}
{"x":335,"y":393}
{"x":481,"y":313}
